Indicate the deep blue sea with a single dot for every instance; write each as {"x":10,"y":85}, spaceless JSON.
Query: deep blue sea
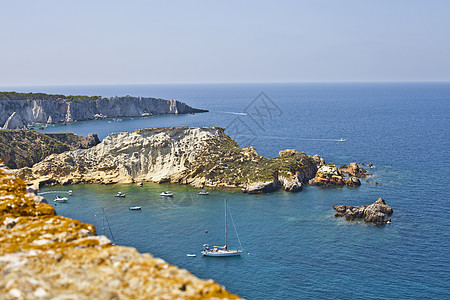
{"x":294,"y":246}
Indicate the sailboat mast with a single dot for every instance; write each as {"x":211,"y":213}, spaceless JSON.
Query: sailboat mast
{"x":226,"y":224}
{"x":103,"y":220}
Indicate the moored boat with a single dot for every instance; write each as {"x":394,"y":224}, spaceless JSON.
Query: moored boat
{"x":203,"y":192}
{"x":60,"y":199}
{"x":166,"y":194}
{"x":120,"y":194}
{"x":223,"y":251}
{"x":135,"y":207}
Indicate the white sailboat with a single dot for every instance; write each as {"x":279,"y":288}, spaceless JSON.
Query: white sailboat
{"x":221,"y":251}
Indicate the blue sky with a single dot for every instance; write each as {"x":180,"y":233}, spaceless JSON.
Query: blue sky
{"x":65,"y":42}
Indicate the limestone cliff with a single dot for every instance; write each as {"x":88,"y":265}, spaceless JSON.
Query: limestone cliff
{"x":22,"y":147}
{"x":202,"y":157}
{"x":44,"y":256}
{"x":19,"y":113}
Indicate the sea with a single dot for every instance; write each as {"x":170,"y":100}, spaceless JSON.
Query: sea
{"x":295,"y":248}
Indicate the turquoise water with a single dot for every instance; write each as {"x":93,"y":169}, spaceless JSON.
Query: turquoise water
{"x":297,"y":248}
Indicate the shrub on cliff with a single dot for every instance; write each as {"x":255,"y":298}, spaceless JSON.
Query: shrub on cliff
{"x":23,"y":148}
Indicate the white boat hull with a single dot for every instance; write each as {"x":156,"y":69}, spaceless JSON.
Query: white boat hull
{"x":61,"y":200}
{"x":222,"y":253}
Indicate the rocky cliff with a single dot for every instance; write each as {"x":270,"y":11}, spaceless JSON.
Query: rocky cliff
{"x":20,"y":113}
{"x":202,"y":157}
{"x":21,"y":147}
{"x":44,"y":256}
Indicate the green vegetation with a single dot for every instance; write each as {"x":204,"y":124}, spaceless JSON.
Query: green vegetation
{"x":226,"y":162}
{"x":43,"y":96}
{"x":23,"y":148}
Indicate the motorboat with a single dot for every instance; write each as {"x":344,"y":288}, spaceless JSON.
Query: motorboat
{"x":70,"y":193}
{"x":60,"y":199}
{"x":166,"y":194}
{"x":222,"y":251}
{"x":120,"y":194}
{"x":191,"y":255}
{"x":203,"y":192}
{"x":135,"y":207}
{"x":342,"y":140}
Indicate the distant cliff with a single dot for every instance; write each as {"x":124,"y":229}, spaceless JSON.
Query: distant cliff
{"x":200,"y":156}
{"x":18,"y":112}
{"x":45,"y":256}
{"x":23,"y":148}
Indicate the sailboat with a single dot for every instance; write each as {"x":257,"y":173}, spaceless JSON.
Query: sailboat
{"x":220,"y":251}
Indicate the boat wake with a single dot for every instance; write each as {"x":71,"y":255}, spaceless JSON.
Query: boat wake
{"x":53,"y":192}
{"x":293,"y":138}
{"x":233,"y":113}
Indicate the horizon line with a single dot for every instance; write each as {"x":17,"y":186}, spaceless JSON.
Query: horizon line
{"x":224,"y":83}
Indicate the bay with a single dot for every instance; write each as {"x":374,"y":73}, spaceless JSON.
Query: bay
{"x":294,"y":246}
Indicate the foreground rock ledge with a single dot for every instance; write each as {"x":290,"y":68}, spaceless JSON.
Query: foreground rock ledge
{"x":44,"y":256}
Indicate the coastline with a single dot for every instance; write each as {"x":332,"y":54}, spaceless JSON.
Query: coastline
{"x":39,"y":249}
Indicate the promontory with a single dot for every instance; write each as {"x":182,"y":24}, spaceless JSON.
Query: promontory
{"x":18,"y":110}
{"x":199,"y":156}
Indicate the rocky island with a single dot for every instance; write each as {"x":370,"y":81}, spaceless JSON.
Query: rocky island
{"x":199,"y":156}
{"x":18,"y":110}
{"x":45,"y":256}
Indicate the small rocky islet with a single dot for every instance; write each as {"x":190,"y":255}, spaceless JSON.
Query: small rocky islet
{"x":375,"y":213}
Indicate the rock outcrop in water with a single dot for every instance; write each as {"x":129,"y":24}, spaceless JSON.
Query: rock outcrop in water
{"x":329,"y":175}
{"x":44,"y":256}
{"x":374,"y":213}
{"x":202,"y":157}
{"x":354,"y":170}
{"x":23,"y":148}
{"x":20,"y":113}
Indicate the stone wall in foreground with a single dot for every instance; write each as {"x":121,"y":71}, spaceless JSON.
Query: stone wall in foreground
{"x":45,"y":256}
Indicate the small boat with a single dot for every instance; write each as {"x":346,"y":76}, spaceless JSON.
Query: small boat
{"x":219,"y":251}
{"x":70,"y":193}
{"x":342,"y":140}
{"x":119,"y":194}
{"x":61,"y":199}
{"x":166,"y":194}
{"x":203,"y":192}
{"x":191,"y":255}
{"x":135,"y":207}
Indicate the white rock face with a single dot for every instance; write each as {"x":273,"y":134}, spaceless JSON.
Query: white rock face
{"x":14,"y":121}
{"x":49,"y":111}
{"x":154,"y":154}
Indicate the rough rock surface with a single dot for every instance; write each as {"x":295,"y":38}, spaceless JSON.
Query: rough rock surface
{"x":354,"y":170}
{"x":329,"y":175}
{"x":23,"y":147}
{"x":318,"y":160}
{"x":202,"y":157}
{"x":60,"y":111}
{"x":375,"y":213}
{"x":14,"y":121}
{"x":44,"y":256}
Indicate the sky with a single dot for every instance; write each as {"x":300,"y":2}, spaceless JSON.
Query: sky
{"x":63,"y":42}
